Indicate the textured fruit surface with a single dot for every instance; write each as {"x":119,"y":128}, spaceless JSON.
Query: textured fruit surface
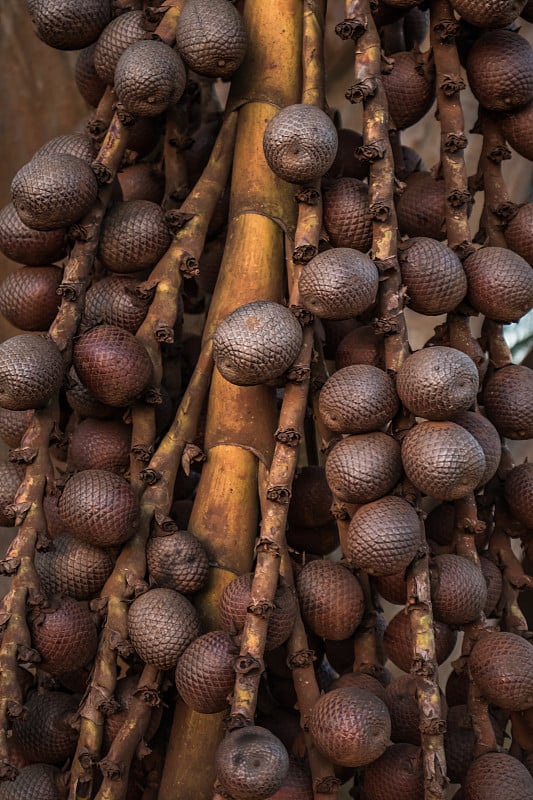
{"x":34,"y":782}
{"x":350,"y":726}
{"x":297,"y":784}
{"x":134,"y":236}
{"x":493,"y":579}
{"x":519,"y":232}
{"x":360,"y":346}
{"x":26,"y":245}
{"x":119,"y":34}
{"x":100,"y":444}
{"x":149,"y":77}
{"x":251,"y":763}
{"x":177,"y":561}
{"x":11,"y":476}
{"x":392,"y":588}
{"x":401,"y":700}
{"x":358,"y":399}
{"x":113,"y":366}
{"x":398,"y":773}
{"x":53,"y":191}
{"x":311,"y":498}
{"x":421,"y":208}
{"x":73,"y":567}
{"x":519,"y":493}
{"x":442,"y":460}
{"x":43,"y":732}
{"x":28,"y":297}
{"x":13,"y":425}
{"x":82,"y":401}
{"x":99,"y":507}
{"x":500,"y":283}
{"x":459,"y":743}
{"x":517,"y":129}
{"x":205,"y":675}
{"x":500,"y":70}
{"x":65,"y":636}
{"x":88,"y":82}
{"x":487,"y":436}
{"x":112,"y":301}
{"x":67,"y":25}
{"x":458,"y":589}
{"x":78,"y":145}
{"x":363,"y":468}
{"x":360,"y":680}
{"x":437,"y":382}
{"x":383,"y":536}
{"x":331,"y":599}
{"x":508,"y":401}
{"x":489,"y":13}
{"x":211,"y":37}
{"x":256,"y":343}
{"x":398,"y":641}
{"x":433,"y":275}
{"x":31,"y":371}
{"x":161,"y":625}
{"x":502,"y":666}
{"x":300,"y":143}
{"x":410,"y":88}
{"x":346,"y":215}
{"x":497,"y":775}
{"x":339,"y":283}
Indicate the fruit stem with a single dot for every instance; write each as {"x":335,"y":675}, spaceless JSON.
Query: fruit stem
{"x":494,"y":342}
{"x":489,"y":178}
{"x":112,"y":150}
{"x":166,"y":30}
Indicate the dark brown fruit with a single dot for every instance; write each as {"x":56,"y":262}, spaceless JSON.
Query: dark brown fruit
{"x":134,"y":236}
{"x":392,"y":588}
{"x":442,"y":460}
{"x":494,"y":581}
{"x":459,"y":743}
{"x":439,"y":524}
{"x":360,"y":346}
{"x":401,"y":700}
{"x":350,"y":726}
{"x":73,"y":567}
{"x":508,"y":401}
{"x":67,"y":25}
{"x":489,"y":13}
{"x":319,"y":540}
{"x":235,"y":600}
{"x":65,"y":636}
{"x":500,"y":283}
{"x":500,"y":70}
{"x":346,"y":214}
{"x":433,"y":275}
{"x":339,"y":283}
{"x":256,"y":343}
{"x":113,"y":366}
{"x":497,"y":775}
{"x":54,"y":524}
{"x":410,"y":88}
{"x":31,"y":371}
{"x":79,"y":145}
{"x":384,"y":536}
{"x":519,"y":232}
{"x":13,"y":425}
{"x":360,"y":680}
{"x":458,"y":589}
{"x":11,"y":476}
{"x":251,"y":763}
{"x":519,"y":493}
{"x":90,"y":85}
{"x":398,"y":641}
{"x":518,"y":130}
{"x":205,"y":675}
{"x":34,"y":782}
{"x":398,"y":773}
{"x":27,"y":245}
{"x":358,"y":399}
{"x":177,"y":561}
{"x":211,"y":37}
{"x":44,"y":732}
{"x":421,"y":207}
{"x":149,"y":77}
{"x":457,"y":687}
{"x":487,"y":436}
{"x":331,"y":599}
{"x":124,"y":693}
{"x":100,"y":444}
{"x":161,"y":625}
{"x":437,"y":382}
{"x":296,"y":786}
{"x":99,"y":507}
{"x":311,"y":498}
{"x":501,"y":664}
{"x":363,"y":468}
{"x":119,"y":34}
{"x":53,"y":191}
{"x":143,"y":136}
{"x":346,"y":164}
{"x":28,"y":297}
{"x":415,"y":28}
{"x":141,"y":182}
{"x":300,"y":143}
{"x":81,"y":401}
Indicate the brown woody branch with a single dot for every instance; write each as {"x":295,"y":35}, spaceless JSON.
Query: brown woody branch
{"x":497,"y":208}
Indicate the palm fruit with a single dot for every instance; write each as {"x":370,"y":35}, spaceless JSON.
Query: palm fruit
{"x":489,"y":13}
{"x":11,"y":476}
{"x":134,"y":236}
{"x":350,"y":726}
{"x":487,"y":437}
{"x":517,"y":129}
{"x":73,"y":567}
{"x":519,"y":493}
{"x":360,"y":346}
{"x":500,"y":283}
{"x":392,"y":588}
{"x":141,"y":182}
{"x":79,"y":145}
{"x":437,"y":382}
{"x":54,"y":524}
{"x":501,"y":664}
{"x":508,"y":401}
{"x":297,"y":784}
{"x":211,"y":37}
{"x":34,"y":782}
{"x":82,"y":402}
{"x":88,"y":82}
{"x":497,"y":775}
{"x":100,"y":444}
{"x":67,"y":25}
{"x":339,"y":283}
{"x":518,"y":232}
{"x":331,"y":599}
{"x":149,"y":77}
{"x":300,"y":143}
{"x":421,"y":208}
{"x":31,"y":371}
{"x":360,"y":680}
{"x":415,"y":27}
{"x":346,"y":164}
{"x":177,"y":561}
{"x":205,"y":675}
{"x":500,"y":70}
{"x":363,"y":468}
{"x":26,"y":245}
{"x":318,"y":540}
{"x":346,"y":214}
{"x":256,"y":343}
{"x":457,"y":687}
{"x":65,"y":635}
{"x":383,"y":536}
{"x":358,"y":399}
{"x":99,"y":507}
{"x":442,"y":460}
{"x":124,"y":693}
{"x":44,"y":733}
{"x":29,"y":299}
{"x":458,"y":589}
{"x":401,"y":700}
{"x":236,"y":598}
{"x":493,"y":579}
{"x":53,"y":191}
{"x":114,"y":39}
{"x":433,"y":276}
{"x":311,"y":498}
{"x":13,"y":425}
{"x":410,"y":88}
{"x":398,"y":641}
{"x":161,"y":625}
{"x":113,"y":366}
{"x":397,"y":773}
{"x":251,"y":763}
{"x":459,"y":743}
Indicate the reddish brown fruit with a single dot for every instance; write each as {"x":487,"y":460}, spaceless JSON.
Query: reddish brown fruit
{"x":458,"y":589}
{"x":99,"y":507}
{"x":149,"y":77}
{"x":487,"y":437}
{"x":141,"y":182}
{"x":26,"y":245}
{"x":500,"y":283}
{"x":401,"y":700}
{"x":398,"y":641}
{"x":100,"y":444}
{"x":31,"y":371}
{"x":501,"y":664}
{"x":494,"y":581}
{"x":90,"y":85}
{"x":393,"y":588}
{"x":134,"y":236}
{"x":508,"y":401}
{"x":350,"y":726}
{"x":410,"y":88}
{"x":331,"y":599}
{"x":421,"y":207}
{"x":398,"y":773}
{"x":518,"y":130}
{"x":65,"y":635}
{"x":81,"y":401}
{"x":234,"y":603}
{"x":44,"y":732}
{"x":358,"y":399}
{"x":177,"y":561}
{"x":119,"y":34}
{"x":161,"y":625}
{"x":497,"y":775}
{"x":439,"y":524}
{"x":519,"y":232}
{"x":346,"y":164}
{"x":459,"y":743}
{"x":13,"y":425}
{"x":319,"y":540}
{"x":500,"y":70}
{"x":346,"y":215}
{"x":78,"y":145}
{"x":360,"y":346}
{"x":211,"y":38}
{"x":28,"y":297}
{"x":489,"y":13}
{"x":113,"y":301}
{"x":66,"y":25}
{"x":519,"y":493}
{"x":363,"y":468}
{"x":457,"y":687}
{"x":339,"y":283}
{"x":11,"y":476}
{"x":433,"y":275}
{"x":311,"y":498}
{"x":205,"y":674}
{"x":73,"y":567}
{"x":54,"y":523}
{"x":251,"y":763}
{"x":296,"y":786}
{"x":34,"y":782}
{"x":360,"y":680}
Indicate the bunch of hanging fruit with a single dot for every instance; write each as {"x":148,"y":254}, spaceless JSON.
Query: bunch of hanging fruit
{"x":223,"y":452}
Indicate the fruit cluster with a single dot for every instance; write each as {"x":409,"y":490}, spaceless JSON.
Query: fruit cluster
{"x":157,"y":641}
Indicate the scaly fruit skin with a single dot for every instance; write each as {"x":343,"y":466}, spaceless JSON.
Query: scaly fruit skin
{"x":78,"y":145}
{"x":73,"y":567}
{"x":519,"y":232}
{"x":398,"y":641}
{"x":112,"y":301}
{"x":339,"y":283}
{"x":500,"y":70}
{"x":88,"y":82}
{"x":501,"y":664}
{"x":26,"y":245}
{"x":497,"y":775}
{"x":489,"y":13}
{"x":508,"y":401}
{"x":44,"y":732}
{"x":458,"y":589}
{"x":149,"y":77}
{"x":363,"y":468}
{"x":421,"y":208}
{"x":100,"y":444}
{"x":331,"y":599}
{"x":433,"y":275}
{"x":251,"y":763}
{"x":34,"y":782}
{"x":358,"y":399}
{"x":13,"y":425}
{"x":346,"y":214}
{"x":398,"y":773}
{"x":29,"y":299}
{"x":114,"y":39}
{"x":31,"y":371}
{"x":205,"y":675}
{"x":487,"y":437}
{"x":68,"y":24}
{"x":64,"y":635}
{"x":500,"y":283}
{"x":134,"y":236}
{"x":410,"y":88}
{"x":519,"y":493}
{"x":211,"y":37}
{"x":177,"y":561}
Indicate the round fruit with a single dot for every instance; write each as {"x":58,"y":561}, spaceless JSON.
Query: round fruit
{"x":401,"y":700}
{"x":500,"y":70}
{"x":73,"y":567}
{"x":518,"y":131}
{"x":458,"y":589}
{"x":331,"y":599}
{"x":149,"y":77}
{"x":398,"y":773}
{"x":489,"y":13}
{"x":29,"y":299}
{"x":360,"y":680}
{"x":88,"y":82}
{"x":501,"y":664}
{"x":205,"y":675}
{"x":251,"y":763}
{"x":114,"y":39}
{"x":211,"y":37}
{"x":339,"y":283}
{"x":493,"y":579}
{"x":311,"y":498}
{"x":346,"y":214}
{"x":500,"y":283}
{"x":113,"y":301}
{"x":358,"y":399}
{"x":31,"y":371}
{"x":421,"y":207}
{"x":487,"y":437}
{"x":100,"y":444}
{"x":410,"y":88}
{"x":65,"y":636}
{"x":508,"y":401}
{"x":433,"y":276}
{"x":34,"y":782}
{"x":79,"y":145}
{"x":44,"y":732}
{"x":67,"y":25}
{"x":497,"y":775}
{"x":399,"y":642}
{"x":363,"y":468}
{"x":297,"y":784}
{"x":26,"y":245}
{"x":519,"y":232}
{"x":134,"y":236}
{"x":177,"y":561}
{"x":360,"y":346}
{"x":519,"y":493}
{"x":13,"y":425}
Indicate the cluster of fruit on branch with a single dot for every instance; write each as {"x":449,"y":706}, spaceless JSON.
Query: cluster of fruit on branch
{"x":205,"y":524}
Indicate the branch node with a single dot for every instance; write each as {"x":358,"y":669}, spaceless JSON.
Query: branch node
{"x":499,"y":153}
{"x":23,"y":455}
{"x":298,"y":373}
{"x":507,"y":211}
{"x":308,"y":195}
{"x":459,"y":198}
{"x":303,"y":316}
{"x":126,"y":118}
{"x":386,"y":327}
{"x":176,"y":219}
{"x":379,"y":211}
{"x":236,"y":721}
{"x":351,"y":28}
{"x":261,"y":608}
{"x":103,"y":174}
{"x":454,"y":142}
{"x":150,"y":476}
{"x":372,"y":151}
{"x":114,"y":770}
{"x":452,"y":84}
{"x":289,"y":436}
{"x":304,"y":253}
{"x":143,"y":452}
{"x":279,"y":494}
{"x":301,"y":659}
{"x":362,"y":90}
{"x":446,"y":30}
{"x":327,"y":785}
{"x":188,"y":265}
{"x":164,"y":333}
{"x":248,"y":664}
{"x":266,"y":545}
